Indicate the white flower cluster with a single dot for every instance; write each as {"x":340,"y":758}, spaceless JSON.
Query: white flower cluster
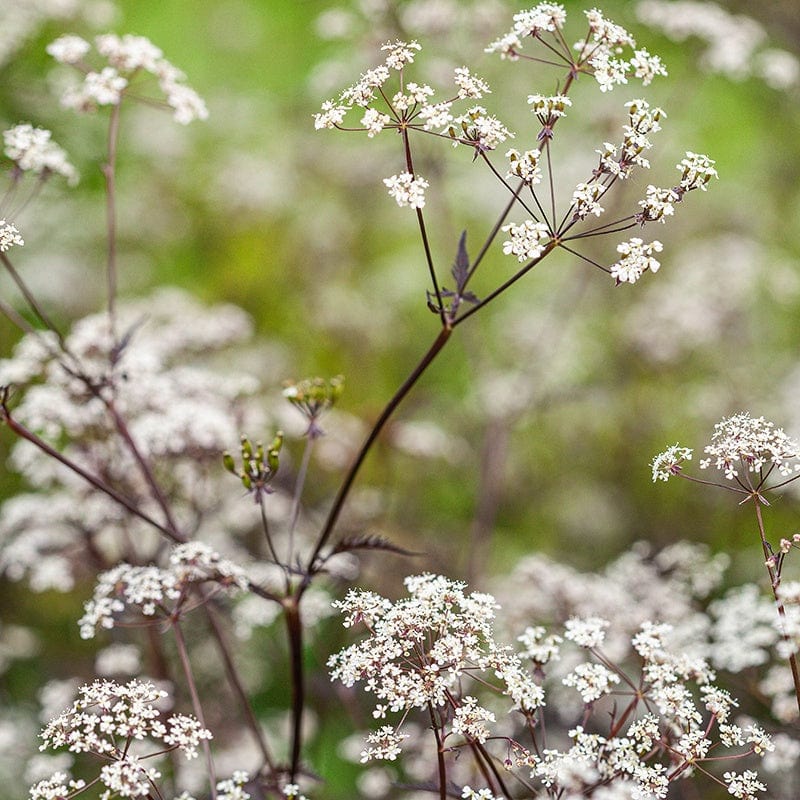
{"x":525,"y":166}
{"x":178,"y":408}
{"x":9,"y":236}
{"x":413,"y":107}
{"x":528,"y":239}
{"x":420,"y":652}
{"x":407,"y":189}
{"x":696,"y":172}
{"x":479,"y":129}
{"x":152,"y":589}
{"x":33,"y":150}
{"x":598,"y":54}
{"x":545,"y":17}
{"x":436,"y":648}
{"x":586,"y":199}
{"x":668,"y":463}
{"x":644,"y":120}
{"x":751,"y":444}
{"x":549,"y":108}
{"x":127,"y":56}
{"x":637,"y":258}
{"x":124,"y":727}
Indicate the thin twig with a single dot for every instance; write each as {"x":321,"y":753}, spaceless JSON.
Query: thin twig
{"x":196,"y":704}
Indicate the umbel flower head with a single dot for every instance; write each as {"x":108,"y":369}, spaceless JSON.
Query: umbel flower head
{"x":742,"y":442}
{"x":123,"y":726}
{"x":127,"y":58}
{"x":420,"y":652}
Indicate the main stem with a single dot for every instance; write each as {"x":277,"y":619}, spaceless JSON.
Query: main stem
{"x":294,"y":629}
{"x":344,"y":489}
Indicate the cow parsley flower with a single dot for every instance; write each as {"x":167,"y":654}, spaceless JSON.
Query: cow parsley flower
{"x":33,"y":150}
{"x":586,"y":199}
{"x":637,"y":258}
{"x":68,"y":49}
{"x":744,"y":786}
{"x":9,"y":236}
{"x":126,"y":58}
{"x":479,"y":129}
{"x":646,"y":67}
{"x":548,"y":108}
{"x":591,"y":681}
{"x":152,"y":589}
{"x":525,"y":166}
{"x":696,"y":171}
{"x":407,"y":189}
{"x":750,"y":443}
{"x":586,"y":632}
{"x":400,"y":53}
{"x":658,"y":204}
{"x":469,"y":85}
{"x":528,"y":239}
{"x":668,"y":463}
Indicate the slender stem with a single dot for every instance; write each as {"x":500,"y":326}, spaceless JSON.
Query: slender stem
{"x":144,"y":467}
{"x":442,"y":767}
{"x":774,"y":581}
{"x":344,"y":489}
{"x":29,"y":298}
{"x":109,"y":172}
{"x":298,"y":493}
{"x":294,"y":629}
{"x":24,"y":433}
{"x":494,"y":231}
{"x":265,"y":526}
{"x":237,"y":686}
{"x":196,"y":704}
{"x":510,"y":282}
{"x":424,"y":234}
{"x":16,"y":318}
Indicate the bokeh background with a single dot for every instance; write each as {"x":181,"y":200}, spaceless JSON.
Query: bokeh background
{"x":535,"y":428}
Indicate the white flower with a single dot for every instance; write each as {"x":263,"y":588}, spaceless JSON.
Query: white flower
{"x":658,"y":204}
{"x":331,"y":116}
{"x":608,"y":71}
{"x":103,"y":88}
{"x":637,"y":258}
{"x":68,"y":49}
{"x":407,"y":189}
{"x":33,"y":150}
{"x":400,"y":53}
{"x":436,"y":116}
{"x":744,"y":786}
{"x":469,"y":85}
{"x":129,"y":53}
{"x":528,"y":239}
{"x":696,"y":171}
{"x":586,"y":631}
{"x":591,"y":681}
{"x":586,"y":199}
{"x":752,"y":443}
{"x":477,"y":127}
{"x":187,"y":105}
{"x":525,"y":166}
{"x":549,"y":107}
{"x":646,"y":67}
{"x":9,"y":236}
{"x":668,"y":463}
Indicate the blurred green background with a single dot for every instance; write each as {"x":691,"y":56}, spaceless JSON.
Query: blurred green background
{"x":535,"y":428}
